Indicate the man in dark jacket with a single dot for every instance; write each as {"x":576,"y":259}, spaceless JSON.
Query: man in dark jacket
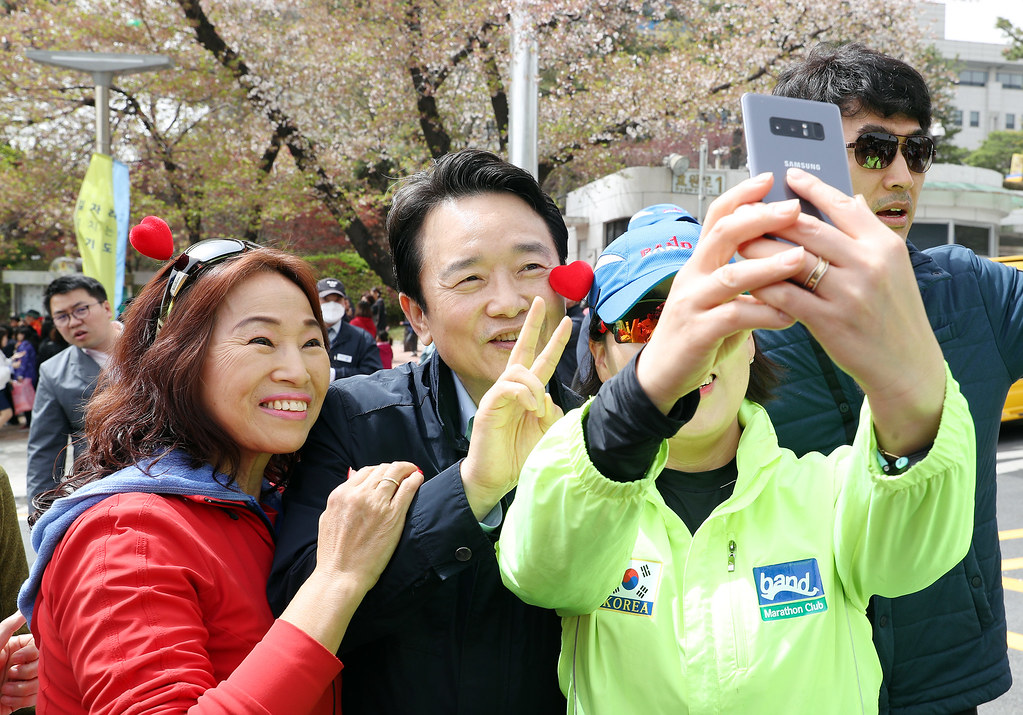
{"x":943,"y":649}
{"x":352,"y":351}
{"x":473,"y":241}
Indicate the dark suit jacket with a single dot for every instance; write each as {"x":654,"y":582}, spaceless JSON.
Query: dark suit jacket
{"x":354,"y":352}
{"x":439,"y":621}
{"x":66,"y":382}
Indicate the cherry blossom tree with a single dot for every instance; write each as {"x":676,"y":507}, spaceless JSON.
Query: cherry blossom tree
{"x":275,"y":109}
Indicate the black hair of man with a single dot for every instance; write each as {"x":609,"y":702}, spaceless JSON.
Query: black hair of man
{"x":858,"y":79}
{"x":70,"y":282}
{"x":469,"y":172}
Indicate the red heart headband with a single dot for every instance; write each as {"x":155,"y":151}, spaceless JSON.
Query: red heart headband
{"x":152,"y":237}
{"x":573,"y":280}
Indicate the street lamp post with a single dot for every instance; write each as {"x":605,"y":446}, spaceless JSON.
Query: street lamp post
{"x":703,"y":172}
{"x":522,"y":124}
{"x":102,"y":66}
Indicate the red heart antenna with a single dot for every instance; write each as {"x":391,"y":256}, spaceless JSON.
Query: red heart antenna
{"x":152,"y":237}
{"x":573,"y":280}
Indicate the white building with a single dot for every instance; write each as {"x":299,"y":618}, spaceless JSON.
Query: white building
{"x":958,"y":204}
{"x":989,"y":96}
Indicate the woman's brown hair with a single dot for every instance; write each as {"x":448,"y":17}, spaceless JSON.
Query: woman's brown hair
{"x":148,"y":400}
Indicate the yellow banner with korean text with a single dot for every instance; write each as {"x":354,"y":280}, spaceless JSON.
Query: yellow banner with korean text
{"x":101,"y":224}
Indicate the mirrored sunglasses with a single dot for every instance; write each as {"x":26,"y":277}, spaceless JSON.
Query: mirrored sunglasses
{"x":638,"y":324}
{"x":196,"y":259}
{"x":876,"y":150}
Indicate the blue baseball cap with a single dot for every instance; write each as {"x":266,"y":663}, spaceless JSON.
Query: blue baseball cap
{"x":634,"y":263}
{"x":659,"y":212}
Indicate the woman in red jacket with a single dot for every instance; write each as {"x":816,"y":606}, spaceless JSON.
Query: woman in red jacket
{"x":148,"y":594}
{"x":364,"y":315}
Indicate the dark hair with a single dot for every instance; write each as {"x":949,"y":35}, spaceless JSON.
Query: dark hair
{"x":469,"y":172}
{"x":74,"y":281}
{"x":858,"y":79}
{"x":763,"y":372}
{"x":364,"y":308}
{"x":148,"y":401}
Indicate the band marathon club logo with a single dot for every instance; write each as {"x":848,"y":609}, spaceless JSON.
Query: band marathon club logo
{"x":790,"y":590}
{"x":638,"y":590}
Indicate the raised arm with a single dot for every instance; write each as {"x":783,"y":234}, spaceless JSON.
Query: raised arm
{"x":866,"y":312}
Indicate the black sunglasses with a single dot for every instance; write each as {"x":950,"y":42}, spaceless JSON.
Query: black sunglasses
{"x":876,"y":150}
{"x":193,"y":262}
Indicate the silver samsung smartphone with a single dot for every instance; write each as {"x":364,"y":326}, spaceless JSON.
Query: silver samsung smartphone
{"x":782,"y":132}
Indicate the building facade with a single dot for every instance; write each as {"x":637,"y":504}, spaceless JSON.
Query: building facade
{"x":958,"y":204}
{"x":989,"y":94}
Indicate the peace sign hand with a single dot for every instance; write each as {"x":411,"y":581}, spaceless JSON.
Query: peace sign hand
{"x":513,"y":414}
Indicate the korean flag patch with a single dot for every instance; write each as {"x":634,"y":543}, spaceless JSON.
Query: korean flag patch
{"x":637,"y":592}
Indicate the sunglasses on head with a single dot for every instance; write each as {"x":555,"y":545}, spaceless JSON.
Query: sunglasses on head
{"x":196,"y":259}
{"x":876,"y":150}
{"x":638,"y":324}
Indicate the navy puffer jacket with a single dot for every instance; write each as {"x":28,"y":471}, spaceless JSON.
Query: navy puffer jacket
{"x":943,"y":649}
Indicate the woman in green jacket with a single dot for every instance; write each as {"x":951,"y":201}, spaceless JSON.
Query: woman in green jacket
{"x":699,"y":567}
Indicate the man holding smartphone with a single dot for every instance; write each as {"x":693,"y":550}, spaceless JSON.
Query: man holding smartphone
{"x":943,"y":649}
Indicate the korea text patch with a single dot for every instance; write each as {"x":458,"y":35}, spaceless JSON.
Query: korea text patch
{"x":637,"y":592}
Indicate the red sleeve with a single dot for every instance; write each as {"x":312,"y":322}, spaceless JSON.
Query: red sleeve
{"x":127,"y":590}
{"x":299,"y":662}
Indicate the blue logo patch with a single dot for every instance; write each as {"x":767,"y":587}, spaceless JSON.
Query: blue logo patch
{"x":789,"y":590}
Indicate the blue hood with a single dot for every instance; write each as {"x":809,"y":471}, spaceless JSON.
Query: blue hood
{"x":172,"y":474}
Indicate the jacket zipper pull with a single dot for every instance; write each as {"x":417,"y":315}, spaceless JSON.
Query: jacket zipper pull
{"x":731,"y":555}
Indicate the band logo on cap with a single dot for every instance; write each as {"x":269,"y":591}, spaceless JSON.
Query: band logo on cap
{"x":672,"y":242}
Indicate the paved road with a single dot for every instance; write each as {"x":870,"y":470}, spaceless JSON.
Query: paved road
{"x":1010,"y":519}
{"x":1010,"y":530}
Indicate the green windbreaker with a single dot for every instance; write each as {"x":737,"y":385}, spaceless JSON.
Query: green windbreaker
{"x":762,"y":610}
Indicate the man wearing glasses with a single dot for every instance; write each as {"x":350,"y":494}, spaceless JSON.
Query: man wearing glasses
{"x":79,"y":308}
{"x":943,"y":649}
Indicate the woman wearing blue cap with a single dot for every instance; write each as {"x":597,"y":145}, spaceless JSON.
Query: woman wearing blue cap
{"x":697,"y":566}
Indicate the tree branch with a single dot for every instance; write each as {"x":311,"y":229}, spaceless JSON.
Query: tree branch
{"x":265,"y":166}
{"x":183,"y":188}
{"x":302,"y":149}
{"x":498,"y":98}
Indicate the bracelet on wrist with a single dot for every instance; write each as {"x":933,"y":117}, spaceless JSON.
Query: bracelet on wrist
{"x":893,"y":465}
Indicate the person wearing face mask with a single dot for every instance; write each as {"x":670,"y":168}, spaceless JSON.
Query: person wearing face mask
{"x":352,"y":351}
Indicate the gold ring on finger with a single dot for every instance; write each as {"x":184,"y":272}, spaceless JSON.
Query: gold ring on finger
{"x":816,"y":275}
